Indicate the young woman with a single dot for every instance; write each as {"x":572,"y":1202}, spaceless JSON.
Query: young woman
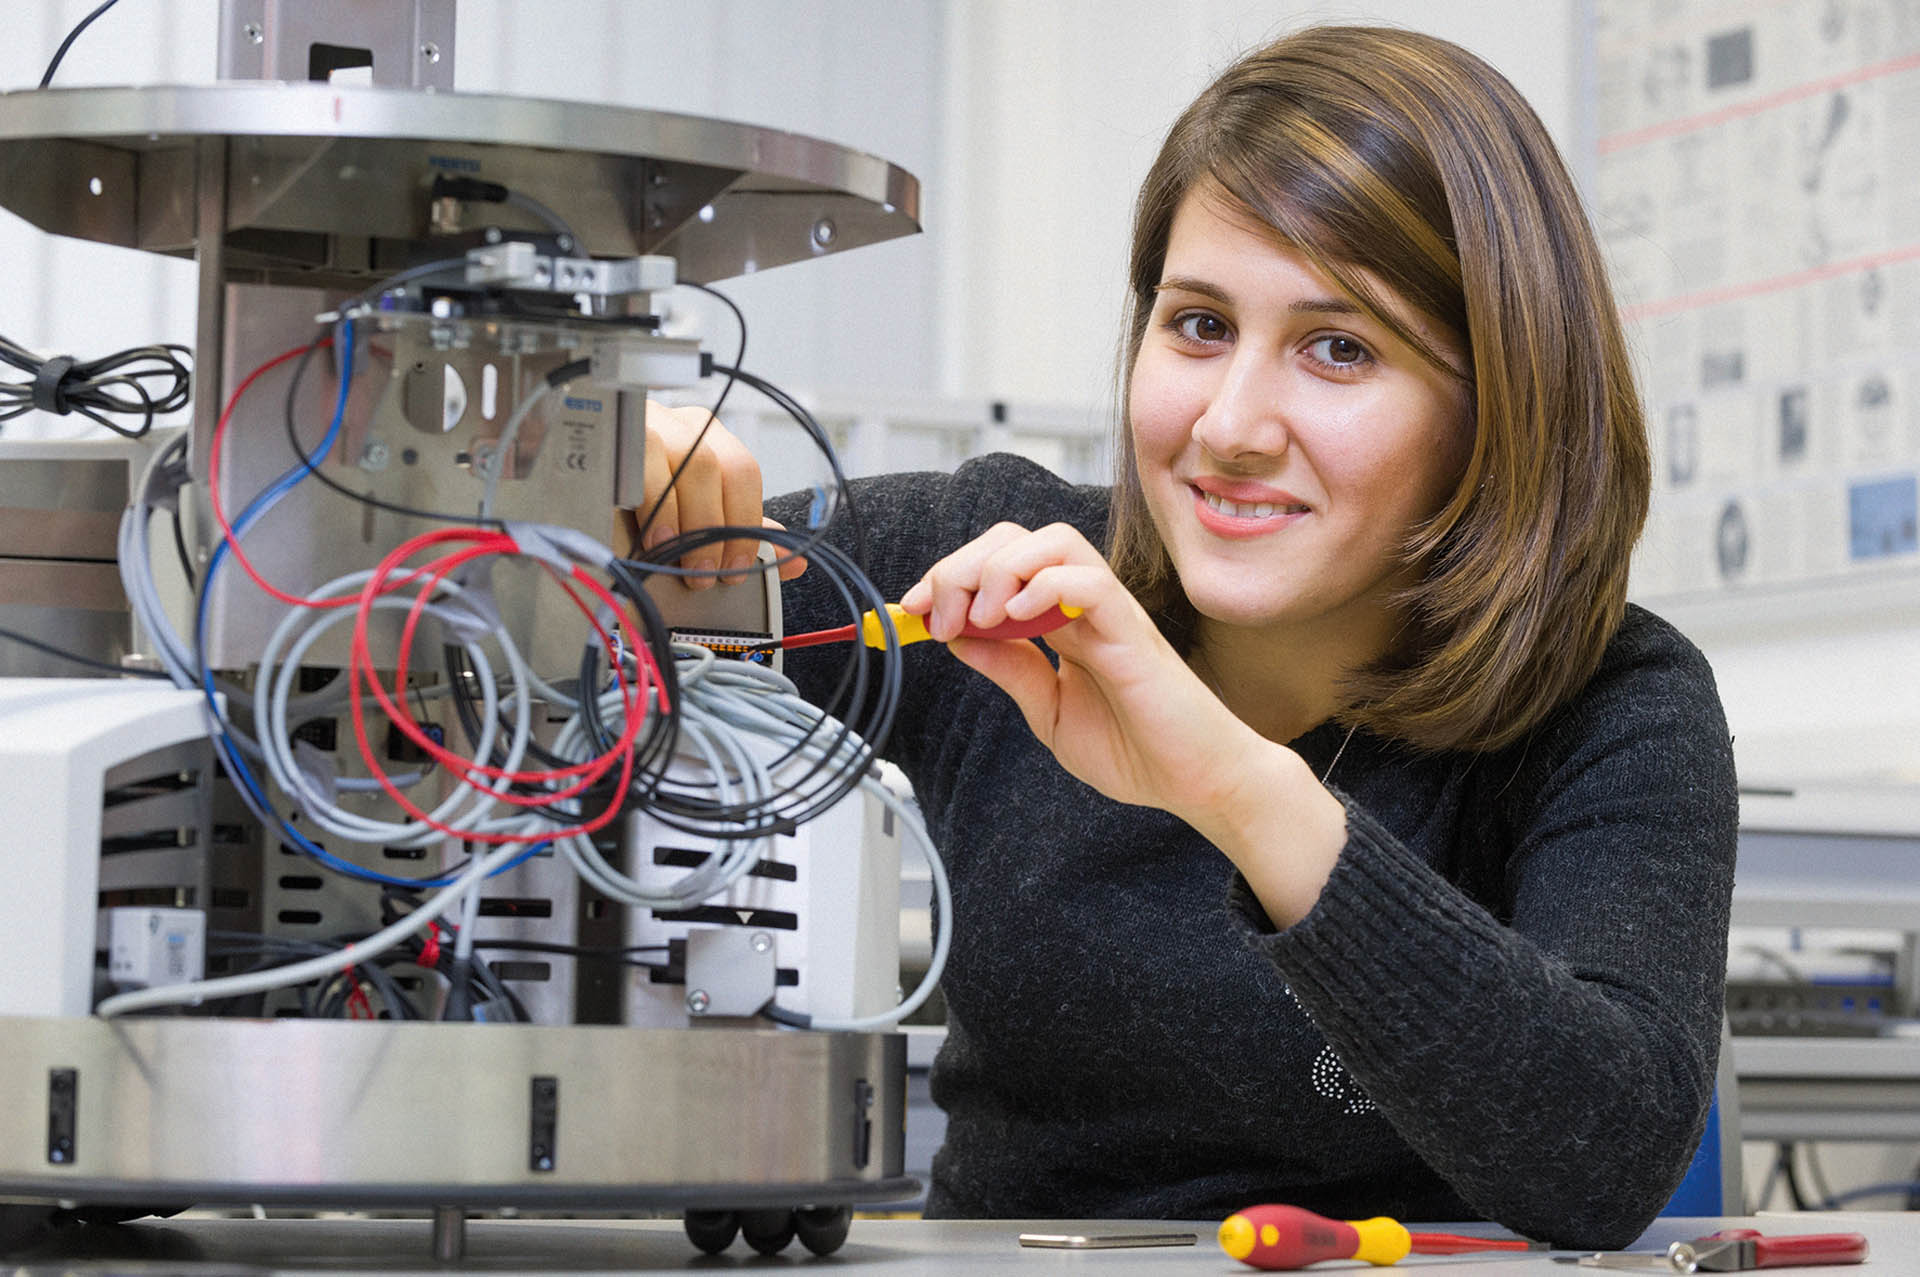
{"x":1359,"y":847}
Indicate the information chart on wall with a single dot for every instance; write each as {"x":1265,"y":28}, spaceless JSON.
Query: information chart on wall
{"x":1757,"y":188}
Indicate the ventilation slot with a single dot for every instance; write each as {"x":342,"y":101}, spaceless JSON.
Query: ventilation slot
{"x":688,"y":858}
{"x":769,"y":919}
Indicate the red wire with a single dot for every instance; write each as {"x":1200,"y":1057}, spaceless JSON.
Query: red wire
{"x":589,"y":771}
{"x":430,"y":947}
{"x":591,"y":768}
{"x":357,"y":996}
{"x":213,"y":480}
{"x":360,"y":673}
{"x":362,"y":653}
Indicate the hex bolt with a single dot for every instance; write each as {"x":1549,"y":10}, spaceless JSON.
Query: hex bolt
{"x":761,"y":942}
{"x":698,"y":1002}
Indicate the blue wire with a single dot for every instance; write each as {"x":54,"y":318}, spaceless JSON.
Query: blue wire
{"x":236,"y":764}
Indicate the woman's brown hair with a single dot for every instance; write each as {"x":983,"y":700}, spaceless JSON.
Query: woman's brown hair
{"x":1400,"y":162}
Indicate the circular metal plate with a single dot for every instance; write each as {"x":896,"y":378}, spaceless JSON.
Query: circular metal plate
{"x":337,"y":179}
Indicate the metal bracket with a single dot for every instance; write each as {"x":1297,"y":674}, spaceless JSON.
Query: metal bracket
{"x":402,"y":45}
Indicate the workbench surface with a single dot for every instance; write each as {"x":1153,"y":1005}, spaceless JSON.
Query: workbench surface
{"x":196,"y":1245}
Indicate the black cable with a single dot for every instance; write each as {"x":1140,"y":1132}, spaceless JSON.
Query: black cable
{"x":582,"y":952}
{"x":37,"y":645}
{"x":799,"y":413}
{"x":661,"y":557}
{"x":180,"y":548}
{"x":113,"y":384}
{"x":67,"y":43}
{"x":713,"y":415}
{"x":1792,"y":1176}
{"x":869,"y":718}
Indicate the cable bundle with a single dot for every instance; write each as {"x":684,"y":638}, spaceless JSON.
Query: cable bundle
{"x":724,"y":751}
{"x":98,"y":389}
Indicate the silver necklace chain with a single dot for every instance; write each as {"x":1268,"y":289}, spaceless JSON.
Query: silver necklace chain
{"x":1344,"y":741}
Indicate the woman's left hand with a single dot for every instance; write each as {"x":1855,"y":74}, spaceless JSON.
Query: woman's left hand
{"x":1123,"y":712}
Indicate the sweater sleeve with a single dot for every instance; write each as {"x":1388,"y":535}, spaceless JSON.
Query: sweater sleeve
{"x":1554,"y":1064}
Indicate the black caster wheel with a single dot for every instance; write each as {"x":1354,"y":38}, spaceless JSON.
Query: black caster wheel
{"x":767,"y":1231}
{"x":712,"y":1230}
{"x":22,"y":1224}
{"x":822,"y":1229}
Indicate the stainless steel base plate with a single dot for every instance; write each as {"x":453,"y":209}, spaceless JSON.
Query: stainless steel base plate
{"x":355,"y":1114}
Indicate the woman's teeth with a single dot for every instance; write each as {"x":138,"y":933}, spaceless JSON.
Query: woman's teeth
{"x":1250,"y":509}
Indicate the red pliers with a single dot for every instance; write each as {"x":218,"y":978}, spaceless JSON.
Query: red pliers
{"x":1739,"y":1250}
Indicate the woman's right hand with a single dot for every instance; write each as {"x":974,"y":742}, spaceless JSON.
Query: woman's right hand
{"x":720,"y":485}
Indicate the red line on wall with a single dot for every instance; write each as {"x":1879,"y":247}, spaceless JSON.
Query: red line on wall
{"x":1754,"y":288}
{"x":1673,"y":128}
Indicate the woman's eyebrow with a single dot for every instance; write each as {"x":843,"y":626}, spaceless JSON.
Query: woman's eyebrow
{"x":1301,"y":305}
{"x":1189,"y":284}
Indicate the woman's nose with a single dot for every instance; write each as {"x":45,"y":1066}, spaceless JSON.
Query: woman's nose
{"x":1246,"y":413}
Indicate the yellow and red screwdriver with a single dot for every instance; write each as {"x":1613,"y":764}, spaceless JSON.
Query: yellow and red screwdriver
{"x":907,"y":627}
{"x":912,"y":629}
{"x":1284,"y":1237}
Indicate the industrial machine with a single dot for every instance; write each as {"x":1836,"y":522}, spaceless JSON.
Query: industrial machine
{"x":430,"y":866}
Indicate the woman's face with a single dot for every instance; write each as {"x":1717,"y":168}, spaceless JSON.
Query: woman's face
{"x":1286,"y":441}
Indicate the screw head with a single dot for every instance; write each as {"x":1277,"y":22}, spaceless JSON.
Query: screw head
{"x":824,"y":232}
{"x":430,"y":52}
{"x":253,"y":33}
{"x":698,"y":1002}
{"x":761,"y":942}
{"x":375,"y":454}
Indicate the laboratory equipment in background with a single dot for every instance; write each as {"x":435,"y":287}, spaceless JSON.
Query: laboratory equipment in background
{"x":428,"y":323}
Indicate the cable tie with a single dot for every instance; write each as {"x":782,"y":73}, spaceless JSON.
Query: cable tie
{"x":474,"y":615}
{"x":49,"y":389}
{"x":320,"y":769}
{"x":560,"y":547}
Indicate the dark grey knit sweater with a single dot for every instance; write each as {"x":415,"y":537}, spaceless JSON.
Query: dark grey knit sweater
{"x":1506,"y":1003}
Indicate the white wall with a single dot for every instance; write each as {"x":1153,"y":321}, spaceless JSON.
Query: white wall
{"x":1057,"y":109}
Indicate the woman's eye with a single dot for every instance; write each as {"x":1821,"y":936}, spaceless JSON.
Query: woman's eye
{"x":1200,"y":326}
{"x":1341,"y":352}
